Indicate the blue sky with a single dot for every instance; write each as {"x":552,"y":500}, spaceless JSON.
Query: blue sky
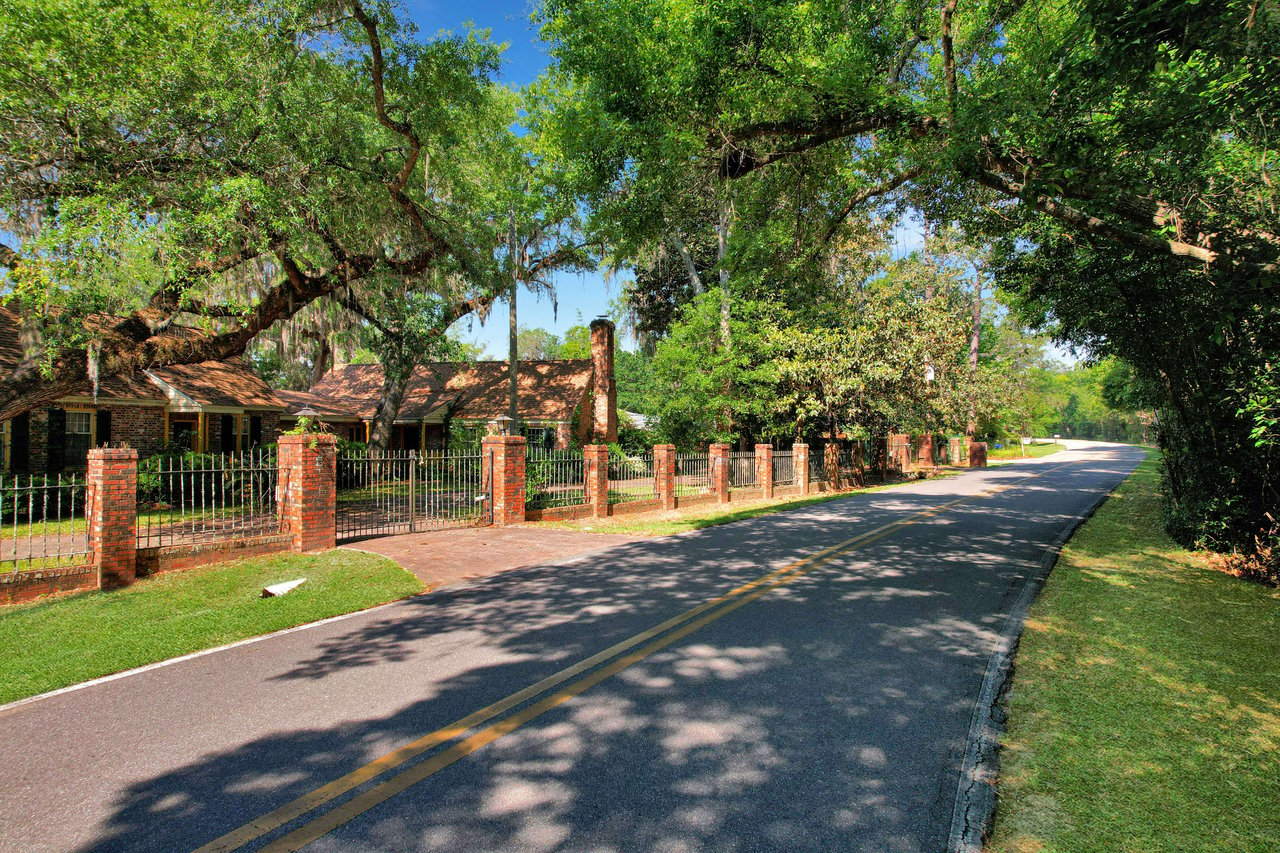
{"x":579,"y":298}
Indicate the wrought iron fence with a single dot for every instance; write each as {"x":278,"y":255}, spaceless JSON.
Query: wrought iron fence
{"x":554,"y":478}
{"x":401,"y":492}
{"x":43,"y":521}
{"x":817,"y":464}
{"x":206,"y":498}
{"x":784,"y":468}
{"x":742,"y":469}
{"x":631,"y":478}
{"x":693,"y":474}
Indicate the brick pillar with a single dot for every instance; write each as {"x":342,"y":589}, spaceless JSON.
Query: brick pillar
{"x":503,"y":459}
{"x":718,"y":460}
{"x":955,"y":449}
{"x":800,"y":458}
{"x":764,"y":469}
{"x":924,"y":450}
{"x":597,"y":471}
{"x":308,"y":490}
{"x":977,"y":454}
{"x":112,"y":514}
{"x":664,"y":474}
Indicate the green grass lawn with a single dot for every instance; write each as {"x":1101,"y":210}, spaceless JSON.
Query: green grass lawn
{"x":61,"y":641}
{"x":1145,"y":708}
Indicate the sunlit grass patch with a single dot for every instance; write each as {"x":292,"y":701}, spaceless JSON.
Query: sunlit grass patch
{"x":1144,"y":710}
{"x":61,"y":641}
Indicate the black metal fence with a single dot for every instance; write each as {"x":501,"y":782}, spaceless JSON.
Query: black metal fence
{"x":693,"y":474}
{"x":401,"y":492}
{"x":631,"y":478}
{"x":742,"y":469}
{"x":554,"y":478}
{"x":42,"y":522}
{"x":784,"y":468}
{"x":206,"y":498}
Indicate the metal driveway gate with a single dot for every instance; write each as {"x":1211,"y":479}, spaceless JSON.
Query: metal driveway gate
{"x":399,"y":492}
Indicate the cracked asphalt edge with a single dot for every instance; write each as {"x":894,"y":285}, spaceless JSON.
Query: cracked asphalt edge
{"x":975,"y":806}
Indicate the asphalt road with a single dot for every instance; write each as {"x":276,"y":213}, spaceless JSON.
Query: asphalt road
{"x":824,"y":707}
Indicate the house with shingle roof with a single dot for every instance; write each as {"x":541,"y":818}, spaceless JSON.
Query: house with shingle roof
{"x":558,"y":401}
{"x":213,"y":406}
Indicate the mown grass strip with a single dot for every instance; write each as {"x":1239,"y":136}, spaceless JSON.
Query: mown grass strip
{"x":63,"y":641}
{"x":1145,"y":707}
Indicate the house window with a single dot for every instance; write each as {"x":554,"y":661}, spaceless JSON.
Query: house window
{"x":6,"y":445}
{"x":79,"y":438}
{"x":242,"y":441}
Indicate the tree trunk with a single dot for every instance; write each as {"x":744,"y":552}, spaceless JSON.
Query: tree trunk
{"x":975,"y":330}
{"x":722,"y":249}
{"x":397,"y":369}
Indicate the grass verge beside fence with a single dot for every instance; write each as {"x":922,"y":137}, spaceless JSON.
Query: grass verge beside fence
{"x":1144,"y":713}
{"x":63,"y":641}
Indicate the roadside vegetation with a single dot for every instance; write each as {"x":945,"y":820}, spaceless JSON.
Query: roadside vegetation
{"x":62,"y":641}
{"x":1143,"y":713}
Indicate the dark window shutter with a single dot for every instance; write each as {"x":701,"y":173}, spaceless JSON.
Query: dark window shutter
{"x":104,"y":427}
{"x":255,"y":430}
{"x":57,"y":447}
{"x":20,"y":444}
{"x":227,"y":430}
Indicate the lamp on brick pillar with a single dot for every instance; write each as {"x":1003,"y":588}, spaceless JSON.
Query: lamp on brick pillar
{"x":308,"y":467}
{"x":112,"y":506}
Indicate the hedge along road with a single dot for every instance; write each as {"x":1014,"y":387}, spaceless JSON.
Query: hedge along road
{"x":799,"y":681}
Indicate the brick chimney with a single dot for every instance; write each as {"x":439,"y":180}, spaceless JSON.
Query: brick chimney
{"x":604,"y":391}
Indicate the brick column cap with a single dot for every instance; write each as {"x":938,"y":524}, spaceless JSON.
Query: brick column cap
{"x":113,"y":453}
{"x":503,"y":440}
{"x":306,"y":440}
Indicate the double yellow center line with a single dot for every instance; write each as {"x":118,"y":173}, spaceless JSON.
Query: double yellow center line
{"x":571,"y":681}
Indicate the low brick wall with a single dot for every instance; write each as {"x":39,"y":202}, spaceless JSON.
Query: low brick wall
{"x":695,"y":500}
{"x":558,"y":513}
{"x":630,"y":507}
{"x":17,"y":587}
{"x":746,"y":493}
{"x":155,"y":560}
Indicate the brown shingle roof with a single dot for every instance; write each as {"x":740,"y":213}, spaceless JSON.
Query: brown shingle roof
{"x":548,"y":390}
{"x":295,"y":401}
{"x":209,"y":383}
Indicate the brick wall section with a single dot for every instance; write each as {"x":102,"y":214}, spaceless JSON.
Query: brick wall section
{"x":111,"y":515}
{"x":504,"y":459}
{"x":718,"y":460}
{"x":308,"y":490}
{"x":596,"y":457}
{"x":977,"y":454}
{"x":800,"y":458}
{"x":139,"y":427}
{"x":664,"y":474}
{"x":171,"y":557}
{"x":17,"y":587}
{"x":764,"y":469}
